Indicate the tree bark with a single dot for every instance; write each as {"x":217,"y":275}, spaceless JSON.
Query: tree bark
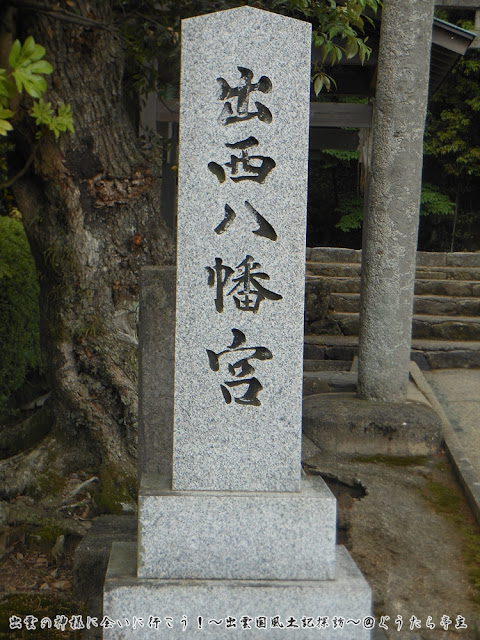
{"x":91,"y":209}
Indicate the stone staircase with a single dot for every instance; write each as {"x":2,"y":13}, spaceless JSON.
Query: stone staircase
{"x":446,"y":322}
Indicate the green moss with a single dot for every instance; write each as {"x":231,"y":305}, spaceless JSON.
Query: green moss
{"x":19,"y":310}
{"x":40,"y":606}
{"x":393,"y":461}
{"x":51,"y":483}
{"x":117,"y":491}
{"x":447,"y":499}
{"x":50,"y":530}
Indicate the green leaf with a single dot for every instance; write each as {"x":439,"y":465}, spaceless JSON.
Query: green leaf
{"x":7,"y":88}
{"x":28,"y":67}
{"x":318,"y":84}
{"x":5,"y":127}
{"x":42,"y":112}
{"x":351,"y":49}
{"x":28,"y":49}
{"x":5,"y":113}
{"x":33,"y":84}
{"x":41,"y":66}
{"x":14,"y":54}
{"x":63,"y":121}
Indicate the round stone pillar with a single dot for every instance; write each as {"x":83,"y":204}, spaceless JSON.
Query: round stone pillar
{"x":391,"y":226}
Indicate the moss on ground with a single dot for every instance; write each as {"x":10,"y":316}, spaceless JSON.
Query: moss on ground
{"x":392,"y":461}
{"x":117,"y":493}
{"x":40,"y":607}
{"x":445,"y":496}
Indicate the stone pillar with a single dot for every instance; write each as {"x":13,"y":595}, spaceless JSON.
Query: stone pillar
{"x":390,"y":238}
{"x":225,"y":541}
{"x":156,"y":336}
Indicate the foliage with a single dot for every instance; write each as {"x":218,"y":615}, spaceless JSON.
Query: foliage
{"x":19,"y":291}
{"x":152,"y":32}
{"x":26,"y":75}
{"x":433,"y":201}
{"x":338,"y":31}
{"x":452,"y":145}
{"x":453,"y":132}
{"x":350,"y":209}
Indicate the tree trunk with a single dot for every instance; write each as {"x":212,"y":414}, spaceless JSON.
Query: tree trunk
{"x":90,"y":204}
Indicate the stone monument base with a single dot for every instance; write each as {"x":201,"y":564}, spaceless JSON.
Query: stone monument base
{"x":218,"y":608}
{"x":229,"y":535}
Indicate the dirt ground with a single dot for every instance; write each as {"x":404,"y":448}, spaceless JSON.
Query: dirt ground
{"x":408,"y":527}
{"x":405,"y":522}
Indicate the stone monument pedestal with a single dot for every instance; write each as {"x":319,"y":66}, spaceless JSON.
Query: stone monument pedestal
{"x":218,"y":608}
{"x":212,"y":562}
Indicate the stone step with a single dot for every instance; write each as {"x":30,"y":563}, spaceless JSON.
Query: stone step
{"x":423,"y":304}
{"x":436,"y":287}
{"x":462,"y":288}
{"x":446,"y":328}
{"x":353,"y":270}
{"x":424,"y":258}
{"x":329,"y":381}
{"x":333,"y":270}
{"x":423,"y":326}
{"x":448,"y":273}
{"x":446,"y":306}
{"x":312,"y":365}
{"x":427,"y":353}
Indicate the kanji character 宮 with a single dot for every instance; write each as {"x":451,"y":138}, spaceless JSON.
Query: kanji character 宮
{"x":240,"y":369}
{"x":242,"y":93}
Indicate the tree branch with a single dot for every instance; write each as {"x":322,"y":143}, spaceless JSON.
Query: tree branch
{"x":22,"y":172}
{"x":61,"y":14}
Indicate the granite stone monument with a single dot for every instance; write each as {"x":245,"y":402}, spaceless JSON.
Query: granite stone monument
{"x":236,"y":537}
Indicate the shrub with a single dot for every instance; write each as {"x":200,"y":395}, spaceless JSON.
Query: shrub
{"x":19,"y":311}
